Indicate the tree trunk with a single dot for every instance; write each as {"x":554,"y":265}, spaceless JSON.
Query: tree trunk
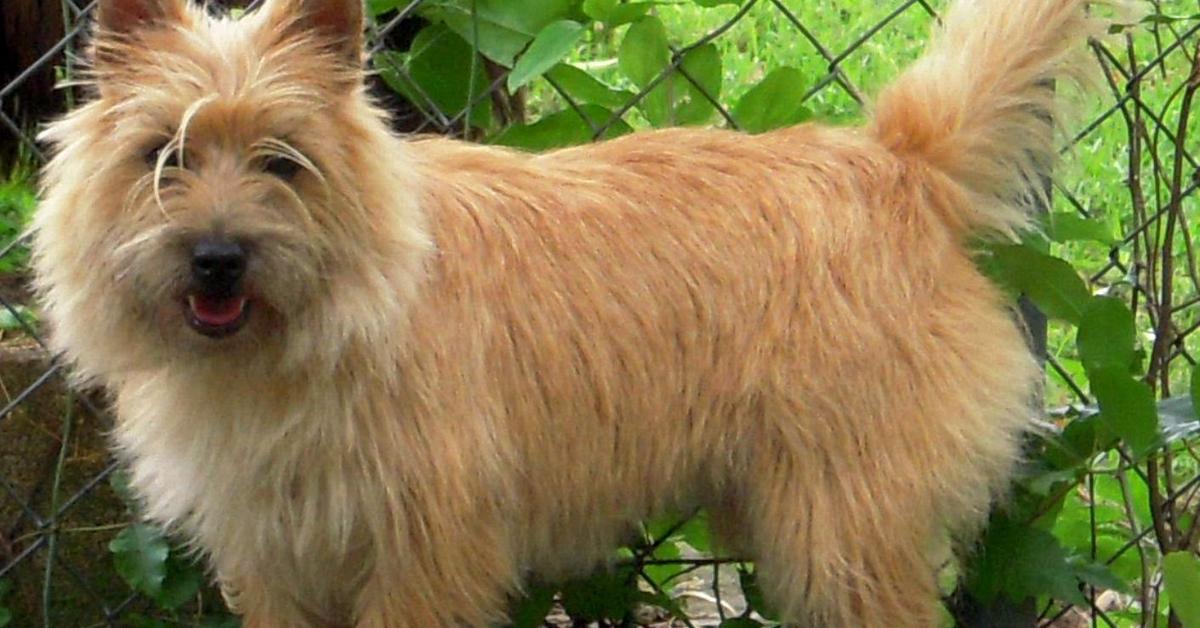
{"x":28,"y":28}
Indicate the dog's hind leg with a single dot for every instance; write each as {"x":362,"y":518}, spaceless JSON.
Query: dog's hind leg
{"x":838,"y":541}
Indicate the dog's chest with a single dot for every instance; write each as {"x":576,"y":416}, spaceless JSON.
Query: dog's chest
{"x":252,"y":487}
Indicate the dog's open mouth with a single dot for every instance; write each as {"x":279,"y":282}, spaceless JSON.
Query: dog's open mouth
{"x":217,"y":317}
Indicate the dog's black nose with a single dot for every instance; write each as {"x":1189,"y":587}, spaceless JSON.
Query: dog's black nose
{"x":218,"y":264}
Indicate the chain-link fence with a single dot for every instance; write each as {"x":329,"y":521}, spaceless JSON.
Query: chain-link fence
{"x":1123,"y":210}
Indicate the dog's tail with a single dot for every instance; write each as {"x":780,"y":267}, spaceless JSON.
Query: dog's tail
{"x":979,"y":106}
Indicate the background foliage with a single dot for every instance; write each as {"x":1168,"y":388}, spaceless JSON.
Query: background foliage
{"x":1101,"y":527}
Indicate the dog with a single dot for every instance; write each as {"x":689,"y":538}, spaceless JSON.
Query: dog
{"x":380,"y":381}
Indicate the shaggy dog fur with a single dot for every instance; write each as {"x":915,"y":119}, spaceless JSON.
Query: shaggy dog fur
{"x":454,"y":366}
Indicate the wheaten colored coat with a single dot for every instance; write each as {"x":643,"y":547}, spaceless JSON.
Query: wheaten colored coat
{"x":465,"y":365}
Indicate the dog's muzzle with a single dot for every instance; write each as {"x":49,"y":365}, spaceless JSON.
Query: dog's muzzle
{"x":216,"y":304}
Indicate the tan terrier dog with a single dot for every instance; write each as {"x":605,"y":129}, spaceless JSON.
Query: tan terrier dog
{"x":379,"y":382}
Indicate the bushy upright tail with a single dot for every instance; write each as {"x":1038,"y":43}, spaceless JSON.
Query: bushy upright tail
{"x":979,"y":106}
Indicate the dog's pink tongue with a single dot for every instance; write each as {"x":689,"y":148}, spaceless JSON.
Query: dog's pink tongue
{"x":215,"y":311}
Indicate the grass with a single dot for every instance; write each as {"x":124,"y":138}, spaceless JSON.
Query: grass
{"x":17,"y":203}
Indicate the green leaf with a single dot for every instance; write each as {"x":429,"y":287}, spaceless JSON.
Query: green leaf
{"x":643,"y":55}
{"x":1196,"y":390}
{"x":504,"y":27}
{"x":1043,"y":483}
{"x":613,"y":13}
{"x":1082,"y":437}
{"x":550,"y":46}
{"x":138,"y":620}
{"x":644,"y":51}
{"x":701,"y":90}
{"x":748,"y":580}
{"x":140,"y":553}
{"x":708,"y":4}
{"x":599,"y":10}
{"x":663,"y":574}
{"x":181,"y":583}
{"x":1020,"y":562}
{"x":1127,"y":408}
{"x":1099,"y":576}
{"x":587,"y":89}
{"x":531,"y":610}
{"x":1071,"y":227}
{"x":606,"y":594}
{"x":680,"y":97}
{"x":696,"y":532}
{"x":773,"y":103}
{"x":1163,"y":18}
{"x":439,"y":74}
{"x":1112,"y":492}
{"x":377,"y":7}
{"x":1181,"y":574}
{"x":557,"y":130}
{"x":628,"y":13}
{"x":1106,"y":335}
{"x":1079,"y":534}
{"x":11,"y":318}
{"x":658,"y":527}
{"x":1051,"y":283}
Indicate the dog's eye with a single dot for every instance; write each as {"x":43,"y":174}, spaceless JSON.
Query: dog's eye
{"x":281,"y":167}
{"x":152,"y":156}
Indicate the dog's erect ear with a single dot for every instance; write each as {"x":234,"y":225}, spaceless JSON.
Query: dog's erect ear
{"x":338,"y":23}
{"x":122,"y":17}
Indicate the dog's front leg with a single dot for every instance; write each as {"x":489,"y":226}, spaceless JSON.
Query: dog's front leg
{"x":261,"y":608}
{"x":269,"y":600}
{"x":446,"y":558}
{"x":462,"y":583}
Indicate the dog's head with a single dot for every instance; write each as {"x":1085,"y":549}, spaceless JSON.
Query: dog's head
{"x":229,"y":191}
